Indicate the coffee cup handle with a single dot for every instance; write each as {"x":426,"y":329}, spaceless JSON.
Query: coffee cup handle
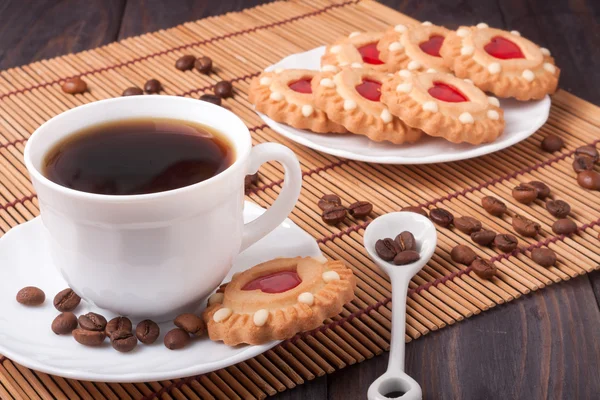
{"x":288,"y":197}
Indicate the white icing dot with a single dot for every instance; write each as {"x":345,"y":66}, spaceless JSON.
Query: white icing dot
{"x":330,"y":276}
{"x":400,"y":28}
{"x":222,"y":314}
{"x":493,"y":114}
{"x":353,"y":34}
{"x":329,"y":68}
{"x":550,"y":68}
{"x":467,"y":50}
{"x":327,"y":83}
{"x":494,"y":68}
{"x":463,"y":32}
{"x":482,"y":25}
{"x":215,"y":298}
{"x":528,"y":75}
{"x":405,"y":73}
{"x":432,"y":70}
{"x":335,"y":49}
{"x":414,"y":65}
{"x":260,"y":317}
{"x":404,"y":87}
{"x":494,"y":101}
{"x":515,"y":33}
{"x":430,"y":106}
{"x":466,"y":118}
{"x":385,"y":117}
{"x":349,"y":105}
{"x":276,"y":96}
{"x":356,"y":65}
{"x":306,"y":298}
{"x":307,"y":110}
{"x":279,"y":70}
{"x":395,"y":46}
{"x":426,"y":23}
{"x":545,"y":51}
{"x":265,"y":81}
{"x":468,"y":81}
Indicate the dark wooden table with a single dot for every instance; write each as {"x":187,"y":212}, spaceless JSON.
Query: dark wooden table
{"x":543,"y":346}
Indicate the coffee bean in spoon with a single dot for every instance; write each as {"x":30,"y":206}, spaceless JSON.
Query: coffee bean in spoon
{"x":66,"y":300}
{"x":64,"y":323}
{"x":406,"y":257}
{"x":152,"y":86}
{"x":147,"y":331}
{"x":552,"y":143}
{"x":406,"y":241}
{"x":441,"y":217}
{"x":204,"y":64}
{"x":133,"y":91}
{"x":92,"y":322}
{"x":484,"y":237}
{"x":386,"y":249}
{"x":223,"y":89}
{"x":542,"y":189}
{"x":31,"y":296}
{"x":558,"y":208}
{"x":417,"y":210}
{"x":484,"y":268}
{"x":185,"y":63}
{"x":328,"y":201}
{"x":463,"y":254}
{"x":74,"y":85}
{"x":176,"y":339}
{"x":360,"y":209}
{"x":494,"y":206}
{"x":588,"y":151}
{"x":467,"y":224}
{"x":589,"y":180}
{"x":123,"y":341}
{"x":506,"y":242}
{"x":118,"y":324}
{"x":334,"y":215}
{"x":211,"y":98}
{"x":190,"y":323}
{"x":89,"y":338}
{"x":564,"y":226}
{"x":583,"y":163}
{"x":524,"y":193}
{"x":525,"y":227}
{"x":544,"y":257}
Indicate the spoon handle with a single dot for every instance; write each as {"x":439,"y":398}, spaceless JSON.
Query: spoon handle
{"x":397,"y":346}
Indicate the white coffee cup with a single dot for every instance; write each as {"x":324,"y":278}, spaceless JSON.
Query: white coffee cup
{"x":154,"y":255}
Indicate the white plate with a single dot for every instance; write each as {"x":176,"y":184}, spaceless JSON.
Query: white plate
{"x":26,"y":337}
{"x":522,"y":120}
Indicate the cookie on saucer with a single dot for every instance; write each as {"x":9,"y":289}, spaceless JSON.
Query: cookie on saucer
{"x":359,"y":50}
{"x":501,"y":62}
{"x":277,"y":299}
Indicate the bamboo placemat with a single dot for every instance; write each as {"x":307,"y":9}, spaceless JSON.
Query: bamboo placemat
{"x":241,"y":45}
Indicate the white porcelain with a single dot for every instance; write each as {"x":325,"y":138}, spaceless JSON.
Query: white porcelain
{"x":156,"y":254}
{"x":522,"y":120}
{"x":390,"y":225}
{"x":26,"y":338}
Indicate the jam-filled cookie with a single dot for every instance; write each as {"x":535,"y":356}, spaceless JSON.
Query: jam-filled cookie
{"x":416,"y":48}
{"x":351,"y":98}
{"x":286,"y":96}
{"x":277,"y":299}
{"x":501,"y":62}
{"x":444,"y":105}
{"x":359,"y":50}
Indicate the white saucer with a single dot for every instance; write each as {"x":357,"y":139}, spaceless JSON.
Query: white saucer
{"x":522,"y":120}
{"x":26,"y":337}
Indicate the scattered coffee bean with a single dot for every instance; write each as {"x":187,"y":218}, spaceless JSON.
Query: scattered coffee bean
{"x":147,"y":331}
{"x":92,"y":322}
{"x":185,"y":63}
{"x":191,"y":323}
{"x":588,"y":151}
{"x":89,"y":338}
{"x":417,"y":210}
{"x":506,"y":242}
{"x":211,"y":98}
{"x":484,"y":237}
{"x":463,"y":254}
{"x":406,"y":257}
{"x":542,"y":189}
{"x":31,"y":296}
{"x":123,"y":341}
{"x":386,"y":249}
{"x":360,"y":209}
{"x":74,"y":86}
{"x":406,"y":241}
{"x":118,"y":324}
{"x":494,"y":206}
{"x":224,"y":89}
{"x":66,"y":300}
{"x":153,"y":86}
{"x":583,"y":163}
{"x":589,"y":180}
{"x":564,"y":226}
{"x":441,"y":217}
{"x":250,"y":180}
{"x":176,"y":339}
{"x":64,"y":323}
{"x":334,"y":215}
{"x":558,"y":208}
{"x":204,"y":64}
{"x":467,"y":225}
{"x":543,"y":256}
{"x":552,"y":143}
{"x":483,"y":268}
{"x":329,"y":201}
{"x":525,"y":227}
{"x":524,"y":193}
{"x":133,"y":91}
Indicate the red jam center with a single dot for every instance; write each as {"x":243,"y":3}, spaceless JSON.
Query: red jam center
{"x":301,"y":86}
{"x":370,"y":90}
{"x":503,"y":49}
{"x":433,"y":45}
{"x":444,"y":92}
{"x":277,"y":282}
{"x":370,"y":54}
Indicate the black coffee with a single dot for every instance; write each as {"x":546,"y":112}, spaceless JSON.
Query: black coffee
{"x":138,"y":156}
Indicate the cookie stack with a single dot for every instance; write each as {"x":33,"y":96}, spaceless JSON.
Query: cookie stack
{"x":411,"y":81}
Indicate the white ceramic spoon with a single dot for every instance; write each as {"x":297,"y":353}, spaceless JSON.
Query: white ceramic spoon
{"x":395,"y":380}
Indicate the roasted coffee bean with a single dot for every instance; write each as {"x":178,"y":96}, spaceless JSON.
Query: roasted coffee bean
{"x":153,"y":86}
{"x":147,"y":331}
{"x":89,"y":338}
{"x":123,"y":341}
{"x":329,"y":201}
{"x":417,"y":210}
{"x":223,"y":89}
{"x":250,"y":180}
{"x":74,"y":86}
{"x":133,"y":91}
{"x":467,"y":225}
{"x":64,"y":323}
{"x":66,"y":300}
{"x":484,"y":237}
{"x":31,"y":296}
{"x":441,"y":217}
{"x":525,"y":227}
{"x":543,"y":256}
{"x":543,"y":190}
{"x":588,"y":151}
{"x":185,"y":63}
{"x":406,"y":257}
{"x":176,"y":339}
{"x":506,"y":242}
{"x":558,"y":208}
{"x":386,"y":249}
{"x":406,"y":241}
{"x":552,"y":143}
{"x":583,"y":163}
{"x":483,"y":268}
{"x":463,"y":254}
{"x":360,"y":209}
{"x":204,"y":64}
{"x":118,"y":324}
{"x":589,"y":180}
{"x":334,"y":215}
{"x":564,"y":226}
{"x":524,"y":193}
{"x":191,"y":323}
{"x":494,"y":206}
{"x":92,"y":322}
{"x":211,"y":98}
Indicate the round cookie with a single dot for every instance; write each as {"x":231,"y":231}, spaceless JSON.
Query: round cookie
{"x":445,"y":106}
{"x":351,"y":98}
{"x":501,"y":62}
{"x":359,"y":50}
{"x":286,"y":96}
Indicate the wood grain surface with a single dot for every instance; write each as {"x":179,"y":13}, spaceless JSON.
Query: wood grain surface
{"x":543,"y":346}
